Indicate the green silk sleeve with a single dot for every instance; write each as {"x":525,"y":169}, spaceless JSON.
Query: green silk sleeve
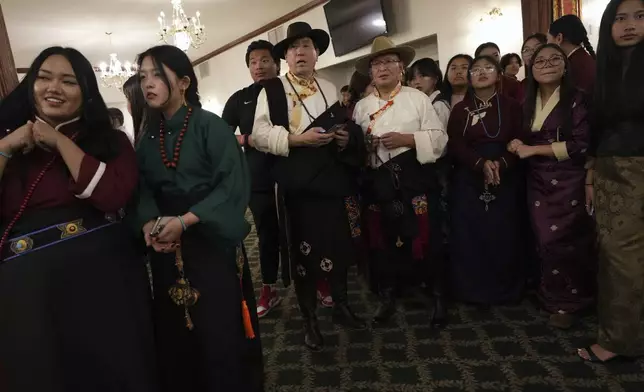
{"x":222,"y":212}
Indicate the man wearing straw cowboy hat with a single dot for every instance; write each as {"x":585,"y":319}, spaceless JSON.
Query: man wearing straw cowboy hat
{"x":299,"y":120}
{"x":402,"y":132}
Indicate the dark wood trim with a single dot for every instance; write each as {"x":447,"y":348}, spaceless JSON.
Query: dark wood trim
{"x":8,"y":75}
{"x":270,"y":26}
{"x":22,"y":70}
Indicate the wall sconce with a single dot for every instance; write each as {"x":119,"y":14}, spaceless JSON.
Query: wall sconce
{"x":492,"y":14}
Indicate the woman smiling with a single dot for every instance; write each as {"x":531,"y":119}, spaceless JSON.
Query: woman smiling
{"x":73,"y":294}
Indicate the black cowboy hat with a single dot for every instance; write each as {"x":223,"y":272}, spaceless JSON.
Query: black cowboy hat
{"x":299,"y":30}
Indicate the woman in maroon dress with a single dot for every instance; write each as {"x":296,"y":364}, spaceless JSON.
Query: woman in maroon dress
{"x":555,"y":147}
{"x":570,"y":34}
{"x":485,"y":241}
{"x":74,"y":296}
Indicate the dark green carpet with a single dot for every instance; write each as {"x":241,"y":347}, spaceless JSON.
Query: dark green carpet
{"x":505,"y":349}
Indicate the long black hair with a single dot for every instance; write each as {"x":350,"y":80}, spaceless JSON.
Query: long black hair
{"x":484,"y":46}
{"x":427,"y":67}
{"x":507,"y":59}
{"x":177,"y":61}
{"x":447,"y":90}
{"x":358,"y":85}
{"x":567,"y":92}
{"x":134,"y":96}
{"x":619,"y":87}
{"x":573,"y":31}
{"x":97,"y":137}
{"x":540,"y":37}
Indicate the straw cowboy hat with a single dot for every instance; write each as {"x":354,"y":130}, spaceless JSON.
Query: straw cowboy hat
{"x":299,"y":30}
{"x":382,"y":46}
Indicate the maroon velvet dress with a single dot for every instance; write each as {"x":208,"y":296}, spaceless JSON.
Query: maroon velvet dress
{"x":485,"y":243}
{"x":583,"y":70}
{"x":74,"y":297}
{"x":563,"y":229}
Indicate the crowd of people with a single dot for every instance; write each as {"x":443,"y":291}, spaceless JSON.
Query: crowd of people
{"x":475,"y":186}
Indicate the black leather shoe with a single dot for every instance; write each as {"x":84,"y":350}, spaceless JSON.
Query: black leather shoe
{"x":343,"y":315}
{"x":438,"y":317}
{"x":312,"y":336}
{"x":386,"y":308}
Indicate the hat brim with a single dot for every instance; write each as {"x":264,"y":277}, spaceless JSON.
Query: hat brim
{"x":406,"y":54}
{"x":320,"y":38}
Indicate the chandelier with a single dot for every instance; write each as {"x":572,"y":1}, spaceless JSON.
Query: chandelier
{"x":114,"y":74}
{"x":183,"y":32}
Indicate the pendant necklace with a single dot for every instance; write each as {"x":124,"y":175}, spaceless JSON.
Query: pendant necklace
{"x":326,"y":104}
{"x":498,"y":111}
{"x":181,"y":292}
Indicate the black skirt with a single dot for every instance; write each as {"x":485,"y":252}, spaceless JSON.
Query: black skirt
{"x":75,"y":315}
{"x":216,"y":355}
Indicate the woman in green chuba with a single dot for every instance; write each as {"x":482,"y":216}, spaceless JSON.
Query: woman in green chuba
{"x":193,"y":196}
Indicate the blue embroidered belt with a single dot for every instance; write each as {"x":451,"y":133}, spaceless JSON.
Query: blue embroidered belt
{"x":54,"y":235}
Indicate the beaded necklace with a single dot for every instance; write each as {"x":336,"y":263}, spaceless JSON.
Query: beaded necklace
{"x":177,"y":148}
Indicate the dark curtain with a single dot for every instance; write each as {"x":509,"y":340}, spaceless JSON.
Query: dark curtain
{"x":8,"y":75}
{"x":537,"y":16}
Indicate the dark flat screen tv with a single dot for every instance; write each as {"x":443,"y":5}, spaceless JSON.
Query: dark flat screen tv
{"x":354,"y":23}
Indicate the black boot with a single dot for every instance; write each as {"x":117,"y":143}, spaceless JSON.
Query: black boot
{"x":438,"y":318}
{"x":438,"y":311}
{"x":386,"y":308}
{"x":342,"y":313}
{"x":312,"y":336}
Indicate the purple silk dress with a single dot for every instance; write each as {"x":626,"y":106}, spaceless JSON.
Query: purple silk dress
{"x":564,"y":231}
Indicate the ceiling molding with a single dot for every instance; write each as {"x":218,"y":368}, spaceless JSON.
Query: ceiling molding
{"x":267,"y":27}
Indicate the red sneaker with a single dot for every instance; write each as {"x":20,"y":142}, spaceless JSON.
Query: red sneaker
{"x":268,"y":299}
{"x":324,"y":294}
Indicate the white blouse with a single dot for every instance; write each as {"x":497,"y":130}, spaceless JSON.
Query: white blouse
{"x":411,"y":113}
{"x":273,"y":139}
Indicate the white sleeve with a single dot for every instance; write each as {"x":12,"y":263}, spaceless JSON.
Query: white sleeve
{"x":431,"y":140}
{"x":267,"y":137}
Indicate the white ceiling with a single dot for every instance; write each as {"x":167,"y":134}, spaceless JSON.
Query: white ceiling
{"x":34,"y":25}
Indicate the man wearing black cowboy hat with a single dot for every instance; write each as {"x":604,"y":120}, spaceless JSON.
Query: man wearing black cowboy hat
{"x":299,"y":120}
{"x":239,"y":112}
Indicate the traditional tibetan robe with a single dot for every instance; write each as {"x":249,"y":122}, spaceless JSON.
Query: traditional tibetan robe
{"x":582,"y":69}
{"x":511,"y":88}
{"x":564,"y":231}
{"x":484,"y":242}
{"x":318,"y":184}
{"x":618,"y":148}
{"x":211,"y":180}
{"x":396,"y":186}
{"x":74,"y":293}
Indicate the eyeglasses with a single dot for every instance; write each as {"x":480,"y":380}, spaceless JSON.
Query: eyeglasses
{"x":527,"y":51}
{"x":482,"y":70}
{"x":386,"y":63}
{"x":554,"y":61}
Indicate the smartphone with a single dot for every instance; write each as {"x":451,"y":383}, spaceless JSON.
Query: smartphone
{"x":156,"y":229}
{"x":335,"y":128}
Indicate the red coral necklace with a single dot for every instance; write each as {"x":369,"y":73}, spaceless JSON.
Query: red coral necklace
{"x":177,"y":148}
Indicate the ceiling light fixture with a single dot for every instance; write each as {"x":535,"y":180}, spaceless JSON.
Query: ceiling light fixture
{"x":183,"y":32}
{"x":379,"y":23}
{"x":492,"y":14}
{"x":115,"y":73}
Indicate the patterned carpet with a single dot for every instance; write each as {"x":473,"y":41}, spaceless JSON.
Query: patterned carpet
{"x":504,"y":349}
